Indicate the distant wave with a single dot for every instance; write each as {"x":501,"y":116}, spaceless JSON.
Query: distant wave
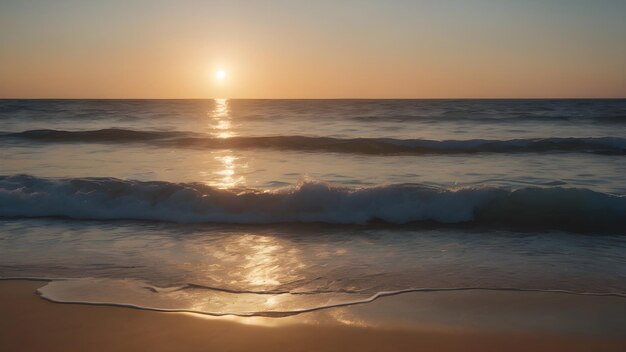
{"x":602,"y":111}
{"x":382,"y":146}
{"x":571,"y":209}
{"x":496,"y":117}
{"x":104,"y":135}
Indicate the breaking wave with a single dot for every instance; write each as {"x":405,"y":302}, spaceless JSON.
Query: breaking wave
{"x":109,"y":198}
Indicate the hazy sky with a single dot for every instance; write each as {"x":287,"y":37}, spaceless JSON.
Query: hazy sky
{"x":312,"y":49}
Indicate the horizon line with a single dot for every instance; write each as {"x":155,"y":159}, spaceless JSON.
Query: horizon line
{"x":324,"y":98}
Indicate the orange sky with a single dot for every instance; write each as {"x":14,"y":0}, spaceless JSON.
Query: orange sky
{"x":290,"y":49}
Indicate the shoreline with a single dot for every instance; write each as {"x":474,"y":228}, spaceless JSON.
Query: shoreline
{"x":29,"y":322}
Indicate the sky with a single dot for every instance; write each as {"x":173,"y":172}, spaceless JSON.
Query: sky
{"x":313,"y":49}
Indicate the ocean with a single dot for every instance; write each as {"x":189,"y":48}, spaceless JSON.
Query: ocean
{"x":277,"y":207}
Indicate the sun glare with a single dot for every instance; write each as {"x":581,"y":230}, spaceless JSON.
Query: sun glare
{"x":220,"y":75}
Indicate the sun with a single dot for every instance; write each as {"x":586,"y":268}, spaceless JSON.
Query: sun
{"x":220,"y":75}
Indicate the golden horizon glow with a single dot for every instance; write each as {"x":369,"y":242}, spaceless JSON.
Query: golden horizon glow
{"x":321,"y":49}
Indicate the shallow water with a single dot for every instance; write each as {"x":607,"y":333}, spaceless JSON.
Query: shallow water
{"x":225,"y":207}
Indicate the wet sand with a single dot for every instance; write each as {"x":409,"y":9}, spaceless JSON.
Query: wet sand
{"x":29,"y":323}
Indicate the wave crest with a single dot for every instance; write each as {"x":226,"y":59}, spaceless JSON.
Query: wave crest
{"x":110,"y":198}
{"x":382,"y":146}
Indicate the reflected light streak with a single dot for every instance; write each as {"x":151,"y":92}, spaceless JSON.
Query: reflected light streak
{"x":221,"y":121}
{"x":269,"y":263}
{"x":260,"y":269}
{"x":221,"y":126}
{"x":228,"y":172}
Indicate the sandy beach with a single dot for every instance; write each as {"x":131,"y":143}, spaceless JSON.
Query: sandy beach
{"x":29,"y":323}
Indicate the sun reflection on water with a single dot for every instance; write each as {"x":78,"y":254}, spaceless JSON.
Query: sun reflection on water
{"x":221,"y":125}
{"x":228,"y":177}
{"x":268,"y":263}
{"x":221,"y":120}
{"x":251,"y":264}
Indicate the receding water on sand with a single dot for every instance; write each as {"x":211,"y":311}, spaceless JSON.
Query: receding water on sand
{"x":287,"y":269}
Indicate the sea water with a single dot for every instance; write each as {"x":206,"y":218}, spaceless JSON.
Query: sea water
{"x":274,"y":207}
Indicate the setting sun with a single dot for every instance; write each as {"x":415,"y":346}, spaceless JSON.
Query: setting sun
{"x":220,"y":75}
